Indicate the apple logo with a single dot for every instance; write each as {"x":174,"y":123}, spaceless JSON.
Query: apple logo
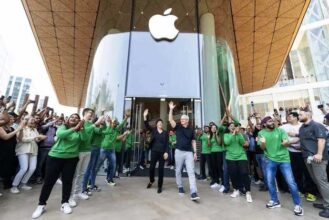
{"x":162,"y":27}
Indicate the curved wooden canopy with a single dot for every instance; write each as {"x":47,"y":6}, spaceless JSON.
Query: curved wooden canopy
{"x":68,"y":32}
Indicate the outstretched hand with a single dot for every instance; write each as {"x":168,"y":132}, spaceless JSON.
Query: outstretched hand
{"x":171,"y":105}
{"x":145,"y":113}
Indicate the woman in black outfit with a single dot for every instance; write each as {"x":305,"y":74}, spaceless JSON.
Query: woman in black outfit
{"x":159,"y":146}
{"x":8,"y":160}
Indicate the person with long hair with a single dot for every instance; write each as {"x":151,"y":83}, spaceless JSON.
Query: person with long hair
{"x":216,"y":157}
{"x":237,"y":162}
{"x":62,"y":161}
{"x":26,"y":151}
{"x":7,"y":153}
{"x":159,"y":146}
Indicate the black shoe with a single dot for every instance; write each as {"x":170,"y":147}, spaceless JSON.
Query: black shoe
{"x":194,"y":197}
{"x":160,"y":190}
{"x":324,"y":213}
{"x":318,"y":205}
{"x":149,"y":185}
{"x":181,"y":191}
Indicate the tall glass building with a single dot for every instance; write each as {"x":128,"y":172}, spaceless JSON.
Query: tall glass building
{"x":17,"y":88}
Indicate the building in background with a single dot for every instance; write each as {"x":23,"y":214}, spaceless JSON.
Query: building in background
{"x":17,"y":88}
{"x":304,"y":79}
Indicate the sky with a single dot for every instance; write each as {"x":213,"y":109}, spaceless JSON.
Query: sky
{"x":24,"y":56}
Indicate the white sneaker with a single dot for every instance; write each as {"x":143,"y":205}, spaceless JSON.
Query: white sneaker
{"x":38,"y":212}
{"x":59,"y":182}
{"x":14,"y":190}
{"x":258,"y":182}
{"x":221,"y":188}
{"x":83,"y":196}
{"x":214,"y":186}
{"x":26,"y":187}
{"x":72,"y":203}
{"x":172,"y":167}
{"x":66,"y":208}
{"x":248,"y":196}
{"x":235,"y":193}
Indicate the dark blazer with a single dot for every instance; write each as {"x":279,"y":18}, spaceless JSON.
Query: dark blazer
{"x":154,"y":133}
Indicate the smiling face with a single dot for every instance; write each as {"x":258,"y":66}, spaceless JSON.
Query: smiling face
{"x":73,"y":120}
{"x":231,"y":127}
{"x":270,"y":124}
{"x":213,"y":129}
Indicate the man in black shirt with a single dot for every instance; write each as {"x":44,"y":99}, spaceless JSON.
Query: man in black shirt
{"x":185,"y":152}
{"x":159,"y":145}
{"x":313,"y":137}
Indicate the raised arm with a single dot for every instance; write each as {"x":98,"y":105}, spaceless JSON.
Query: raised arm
{"x":146,"y":123}
{"x":171,"y":118}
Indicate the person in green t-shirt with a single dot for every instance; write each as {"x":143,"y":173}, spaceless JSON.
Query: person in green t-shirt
{"x":111,"y":138}
{"x":62,"y":161}
{"x":172,"y":147}
{"x":274,"y":142}
{"x":216,"y":154}
{"x":237,"y":162}
{"x":205,"y":152}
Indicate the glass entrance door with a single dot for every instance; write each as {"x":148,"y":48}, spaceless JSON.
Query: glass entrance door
{"x":158,"y":108}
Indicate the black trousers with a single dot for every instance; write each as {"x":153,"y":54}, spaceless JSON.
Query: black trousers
{"x":302,"y":177}
{"x":239,"y":174}
{"x":54,"y":168}
{"x":41,"y":165}
{"x":205,"y":159}
{"x":253,"y":164}
{"x":128,"y":157}
{"x":216,"y":167}
{"x":118,"y":156}
{"x":155,"y":157}
{"x":8,"y":165}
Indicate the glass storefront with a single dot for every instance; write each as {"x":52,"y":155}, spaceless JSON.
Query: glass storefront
{"x":130,"y":64}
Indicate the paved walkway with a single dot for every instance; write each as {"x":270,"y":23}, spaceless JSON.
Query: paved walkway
{"x":132,"y":201}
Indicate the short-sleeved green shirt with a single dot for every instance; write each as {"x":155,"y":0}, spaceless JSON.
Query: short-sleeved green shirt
{"x":274,"y":150}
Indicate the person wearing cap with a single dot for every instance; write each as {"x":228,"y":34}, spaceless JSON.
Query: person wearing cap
{"x":302,"y":177}
{"x":159,"y":146}
{"x":314,"y":142}
{"x":185,"y":152}
{"x":274,"y":141}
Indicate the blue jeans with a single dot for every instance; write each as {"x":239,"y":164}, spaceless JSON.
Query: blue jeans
{"x":285,"y":168}
{"x":262,"y":166}
{"x":110,"y":156}
{"x":91,"y":172}
{"x":226,"y":177}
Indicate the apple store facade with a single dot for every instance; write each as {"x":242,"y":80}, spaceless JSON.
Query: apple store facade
{"x":132,"y":70}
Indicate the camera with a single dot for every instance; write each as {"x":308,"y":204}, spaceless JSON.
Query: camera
{"x":320,"y":106}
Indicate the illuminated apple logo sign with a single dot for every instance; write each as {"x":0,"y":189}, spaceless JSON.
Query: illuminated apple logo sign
{"x":162,"y":27}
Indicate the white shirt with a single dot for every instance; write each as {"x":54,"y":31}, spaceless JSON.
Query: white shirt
{"x":295,"y":129}
{"x":28,"y":145}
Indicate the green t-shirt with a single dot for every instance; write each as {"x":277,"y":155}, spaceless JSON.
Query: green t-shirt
{"x":205,"y":149}
{"x":129,"y":140}
{"x":109,"y":138}
{"x":98,"y":136}
{"x":172,"y":139}
{"x":215,"y":147}
{"x":68,"y":143}
{"x":274,"y":150}
{"x":234,"y":147}
{"x":86,"y":145}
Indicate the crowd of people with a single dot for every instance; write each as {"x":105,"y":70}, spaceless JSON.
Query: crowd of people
{"x":289,"y":154}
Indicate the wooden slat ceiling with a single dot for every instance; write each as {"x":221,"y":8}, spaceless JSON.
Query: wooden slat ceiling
{"x":68,"y":32}
{"x":264,"y":33}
